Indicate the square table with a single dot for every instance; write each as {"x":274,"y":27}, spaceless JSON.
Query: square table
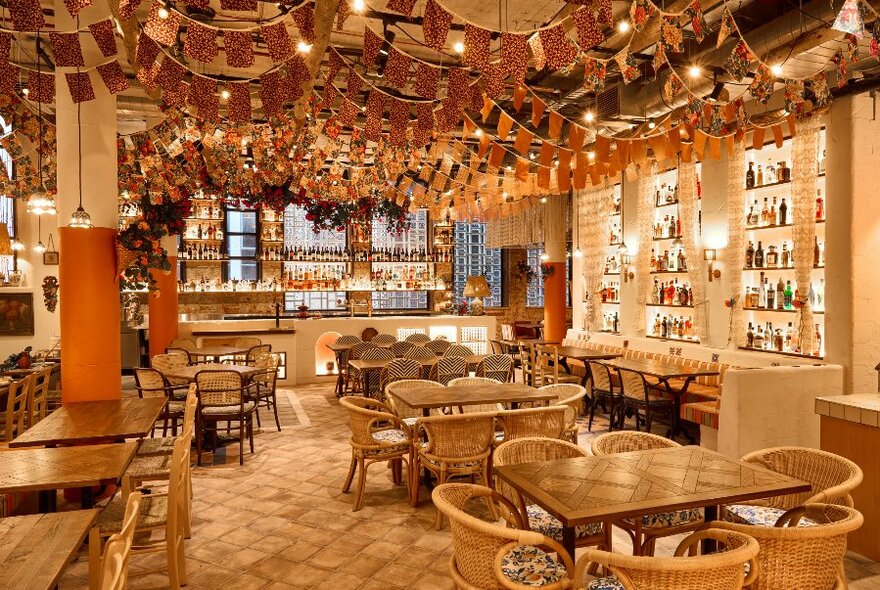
{"x":46,"y":470}
{"x":606,"y":488}
{"x":468,"y":395}
{"x":35,"y":549}
{"x":215,"y":352}
{"x":365,"y":366}
{"x":584,"y":355}
{"x":94,"y":422}
{"x":189,"y":373}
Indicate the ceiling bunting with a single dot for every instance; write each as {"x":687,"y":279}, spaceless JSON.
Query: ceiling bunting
{"x":457,"y":86}
{"x":348,"y":112}
{"x":588,"y":33}
{"x":486,"y":111}
{"x":594,"y":74}
{"x":659,"y":58}
{"x":399,"y":119}
{"x":238,"y":48}
{"x":515,"y":55}
{"x":66,"y":49}
{"x":41,"y":87}
{"x":162,"y":30}
{"x":554,"y":127}
{"x":277,"y":41}
{"x":435,"y":25}
{"x":819,"y":86}
{"x":177,"y":97}
{"x":493,"y":80}
{"x":505,"y":124}
{"x":146,"y":76}
{"x":170,"y":74}
{"x":874,"y":45}
{"x":343,"y":11}
{"x":425,"y":114}
{"x":794,"y":95}
{"x":694,"y":12}
{"x":840,"y":62}
{"x":27,"y":15}
{"x":372,"y":44}
{"x":113,"y":77}
{"x":104,"y":35}
{"x":628,"y":69}
{"x":5,"y":46}
{"x":519,"y":96}
{"x":203,"y":96}
{"x":273,"y":92}
{"x":639,"y":13}
{"x":239,"y":5}
{"x":538,"y":54}
{"x":297,"y":75}
{"x":74,"y":6}
{"x":761,"y":87}
{"x":671,"y":36}
{"x":238,"y":107}
{"x":604,"y":12}
{"x":334,"y":64}
{"x":538,"y":107}
{"x":427,"y":79}
{"x":201,"y":42}
{"x":737,"y":63}
{"x":331,"y":93}
{"x":576,"y":135}
{"x":404,"y":7}
{"x":523,"y":141}
{"x":397,"y":68}
{"x":849,"y":19}
{"x":476,"y":47}
{"x":726,"y":27}
{"x":80,"y":86}
{"x":304,"y":18}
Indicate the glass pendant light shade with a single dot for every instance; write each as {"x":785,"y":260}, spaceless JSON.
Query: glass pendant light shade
{"x":80,"y":218}
{"x":39,"y":248}
{"x":17,"y":245}
{"x":40,"y":202}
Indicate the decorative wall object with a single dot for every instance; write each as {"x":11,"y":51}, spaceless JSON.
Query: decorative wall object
{"x":736,"y":231}
{"x":17,"y":314}
{"x":804,"y":171}
{"x":594,"y":218}
{"x":50,"y":293}
{"x":646,"y":183}
{"x":693,"y":245}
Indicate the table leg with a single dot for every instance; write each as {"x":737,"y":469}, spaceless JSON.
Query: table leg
{"x":568,"y":536}
{"x":563,"y":362}
{"x":87,"y":498}
{"x":47,"y":501}
{"x":676,"y":396}
{"x":710,"y":545}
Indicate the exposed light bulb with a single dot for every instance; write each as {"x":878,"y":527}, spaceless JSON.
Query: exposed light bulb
{"x":623,"y":26}
{"x":695,"y":71}
{"x":591,"y":155}
{"x":25,"y":91}
{"x":578,"y":253}
{"x":504,"y":196}
{"x":358,"y":5}
{"x":224,"y":94}
{"x":589,"y":116}
{"x":651,"y":124}
{"x":39,"y":248}
{"x":543,"y":199}
{"x":458,"y":47}
{"x":163,"y":13}
{"x":303,"y":47}
{"x":555,"y":163}
{"x":509,"y":168}
{"x":531,"y":155}
{"x":545,"y":257}
{"x":478,"y":132}
{"x":17,"y":245}
{"x":776,"y":69}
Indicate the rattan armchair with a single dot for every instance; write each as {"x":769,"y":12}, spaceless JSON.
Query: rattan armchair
{"x":352,"y":375}
{"x":438,"y":346}
{"x":644,"y":401}
{"x":571,"y":396}
{"x":254,"y":352}
{"x":152,"y":383}
{"x":489,"y":556}
{"x":546,"y":422}
{"x":498,"y":367}
{"x":263,"y":384}
{"x":449,"y":368}
{"x":223,"y":398}
{"x":716,"y":571}
{"x":184,"y":343}
{"x":644,"y":531}
{"x":399,"y":369}
{"x":833,"y":478}
{"x":371,"y":380}
{"x":182,"y":352}
{"x":169,"y":362}
{"x":377,"y":436}
{"x":406,"y":413}
{"x":418,"y":339}
{"x":793,"y":556}
{"x":399,"y":349}
{"x":458,"y":350}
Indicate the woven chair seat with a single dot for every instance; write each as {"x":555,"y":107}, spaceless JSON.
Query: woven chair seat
{"x":153,"y":513}
{"x":162,"y":445}
{"x":428,"y":461}
{"x":531,"y":566}
{"x":609,"y":583}
{"x":176,"y":408}
{"x":155,"y":467}
{"x":545,"y":523}
{"x":668,"y":519}
{"x":758,"y":515}
{"x":391,"y":435}
{"x":227,"y":410}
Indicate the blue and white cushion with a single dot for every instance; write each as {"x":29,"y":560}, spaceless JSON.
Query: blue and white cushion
{"x":391,"y":435}
{"x":758,"y":515}
{"x":670,"y":519}
{"x":531,"y":566}
{"x":609,"y":583}
{"x":545,"y":523}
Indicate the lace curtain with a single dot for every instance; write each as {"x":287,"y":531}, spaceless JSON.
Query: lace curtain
{"x":736,"y":235}
{"x":519,"y":229}
{"x":693,"y":247}
{"x":647,"y":182}
{"x":594,"y":208}
{"x":804,"y":155}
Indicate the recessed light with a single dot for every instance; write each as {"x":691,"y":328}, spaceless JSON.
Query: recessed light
{"x":458,"y":47}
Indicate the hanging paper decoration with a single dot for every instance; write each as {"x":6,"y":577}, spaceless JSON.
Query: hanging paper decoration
{"x":737,"y":63}
{"x":201,"y":42}
{"x":725,"y":27}
{"x":587,"y":28}
{"x":347,"y":113}
{"x":27,"y":15}
{"x":639,"y":13}
{"x":398,"y":119}
{"x":297,"y":76}
{"x":875,"y":39}
{"x":238,"y":108}
{"x":397,"y":68}
{"x":41,"y":87}
{"x":425,"y":113}
{"x":127,"y":8}
{"x":146,"y":76}
{"x":493,"y":80}
{"x":761,"y":87}
{"x":170,"y":74}
{"x":68,"y":53}
{"x":476,"y":47}
{"x":435,"y":25}
{"x":457,"y":90}
{"x":353,"y":84}
{"x":673,"y":86}
{"x":334,"y":64}
{"x":594,"y":74}
{"x":819,"y":85}
{"x":162,"y":30}
{"x":80,"y":86}
{"x":74,"y":6}
{"x":203,"y":95}
{"x":238,"y":48}
{"x":427,"y":78}
{"x":113,"y":76}
{"x":146,"y":52}
{"x":670,"y":34}
{"x":404,"y":7}
{"x":659,"y":58}
{"x":515,"y":55}
{"x":372,"y":44}
{"x":342,"y":14}
{"x":538,"y":52}
{"x":103,"y":33}
{"x":849,"y":19}
{"x":5,"y":46}
{"x":604,"y":14}
{"x":239,"y":5}
{"x":304,"y":18}
{"x":277,"y":41}
{"x":698,"y":21}
{"x":839,"y":60}
{"x":794,"y":95}
{"x":8,"y":77}
{"x":628,"y":69}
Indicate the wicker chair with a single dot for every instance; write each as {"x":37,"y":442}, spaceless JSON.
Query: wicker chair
{"x":183,"y":343}
{"x":449,"y":368}
{"x":163,"y":445}
{"x":420,"y":352}
{"x":377,"y":435}
{"x":247,"y":342}
{"x":182,"y":352}
{"x":715,"y":571}
{"x":418,"y":339}
{"x":342,"y":360}
{"x":352,"y":375}
{"x":38,"y":397}
{"x":399,"y":349}
{"x":457,"y":445}
{"x":370,"y":380}
{"x":547,"y":363}
{"x":476,"y":382}
{"x":223,"y":398}
{"x":602,"y":392}
{"x":571,"y":396}
{"x":15,"y":417}
{"x":399,"y":369}
{"x":255,"y":351}
{"x":794,"y":556}
{"x":438,"y":346}
{"x":496,"y":366}
{"x":546,"y":422}
{"x":114,"y":562}
{"x":168,"y":362}
{"x":406,"y":413}
{"x":383,"y":339}
{"x":458,"y":350}
{"x":262,"y":386}
{"x":487,"y":555}
{"x":496,"y":347}
{"x":152,"y":383}
{"x":644,"y":531}
{"x":833,"y":478}
{"x":643,"y":400}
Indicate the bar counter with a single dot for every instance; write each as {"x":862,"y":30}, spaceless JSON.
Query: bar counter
{"x":303,"y":342}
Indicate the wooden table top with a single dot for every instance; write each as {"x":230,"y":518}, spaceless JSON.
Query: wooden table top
{"x":18,"y":373}
{"x":621,"y":485}
{"x":215,"y":351}
{"x":660,"y":369}
{"x":584,"y":354}
{"x":59,"y":468}
{"x":377,"y":364}
{"x":340,"y":347}
{"x":467,"y":395}
{"x":35,"y":549}
{"x":535,"y":341}
{"x":93,"y":422}
{"x":189,"y":373}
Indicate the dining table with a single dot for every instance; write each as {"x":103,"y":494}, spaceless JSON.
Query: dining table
{"x":215,"y":353}
{"x":429,"y":398}
{"x":583,"y":355}
{"x":47,"y":470}
{"x":94,"y":422}
{"x":608,"y":488}
{"x":366,"y":366}
{"x":188,"y":373}
{"x":35,"y":548}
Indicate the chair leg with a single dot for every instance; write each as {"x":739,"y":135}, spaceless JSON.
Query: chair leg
{"x":199,"y":435}
{"x":351,"y":469}
{"x":95,"y":551}
{"x":414,"y":478}
{"x":275,"y":409}
{"x":241,"y":432}
{"x":362,"y":483}
{"x":251,"y":433}
{"x":174,"y":567}
{"x":592,"y":413}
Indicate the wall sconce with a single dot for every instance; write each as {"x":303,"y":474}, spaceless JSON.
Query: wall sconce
{"x":709,"y":255}
{"x":625,"y":263}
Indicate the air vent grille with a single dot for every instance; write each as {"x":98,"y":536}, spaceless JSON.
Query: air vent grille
{"x":608,"y":103}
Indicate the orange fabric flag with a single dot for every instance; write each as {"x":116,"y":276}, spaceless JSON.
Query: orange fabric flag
{"x":580,"y":171}
{"x":543,"y":177}
{"x":758,"y":137}
{"x":546,"y":157}
{"x":639,"y":151}
{"x":658,"y":146}
{"x":792,"y":124}
{"x":576,"y":137}
{"x":488,"y":105}
{"x":523,"y":140}
{"x":538,"y":107}
{"x":497,"y":155}
{"x":603,"y":147}
{"x":484,"y":145}
{"x":505,"y":124}
{"x":674,"y":136}
{"x":777,"y":135}
{"x":555,"y":127}
{"x":686,"y":152}
{"x":623,"y":152}
{"x":730,"y":143}
{"x":519,"y":94}
{"x":522,"y":169}
{"x":700,"y":142}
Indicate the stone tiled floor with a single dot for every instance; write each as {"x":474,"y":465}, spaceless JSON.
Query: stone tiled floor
{"x":281,"y":521}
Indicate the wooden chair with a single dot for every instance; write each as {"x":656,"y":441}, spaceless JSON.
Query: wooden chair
{"x":399,"y":349}
{"x":644,"y":531}
{"x":438,"y":346}
{"x":377,"y":436}
{"x":406,"y":413}
{"x":165,"y":363}
{"x":152,"y":383}
{"x":533,"y":450}
{"x":476,"y":382}
{"x":547,"y":363}
{"x":832,"y":477}
{"x":602,"y":392}
{"x":572,"y":397}
{"x":527,"y":364}
{"x":488,"y":555}
{"x":458,"y":350}
{"x":15,"y":417}
{"x":715,"y":571}
{"x":262,"y":386}
{"x":546,"y":422}
{"x":38,"y":401}
{"x":371,"y":385}
{"x":352,"y":375}
{"x":383,"y":339}
{"x":114,"y":562}
{"x":793,"y":556}
{"x":643,"y":400}
{"x":449,"y":368}
{"x":164,"y":445}
{"x":223,"y":398}
{"x":457,"y":445}
{"x":399,"y":369}
{"x":158,"y":512}
{"x":418,"y":339}
{"x":498,"y":367}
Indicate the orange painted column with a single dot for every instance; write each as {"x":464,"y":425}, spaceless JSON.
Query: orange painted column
{"x":91,"y":359}
{"x":555,"y":247}
{"x":163,"y":309}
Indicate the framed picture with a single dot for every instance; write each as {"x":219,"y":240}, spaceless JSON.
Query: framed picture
{"x":51,"y":258}
{"x":16,"y":314}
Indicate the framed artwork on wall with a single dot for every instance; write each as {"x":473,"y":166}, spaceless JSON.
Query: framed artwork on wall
{"x":16,"y":314}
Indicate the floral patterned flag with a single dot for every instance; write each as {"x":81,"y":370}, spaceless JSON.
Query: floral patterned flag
{"x":41,"y":87}
{"x":147,"y":74}
{"x":201,"y":42}
{"x":874,"y":45}
{"x":457,"y":91}
{"x":104,"y":35}
{"x":404,"y":7}
{"x":277,"y":41}
{"x":238,"y":47}
{"x":162,"y":30}
{"x":761,"y":87}
{"x":604,"y":13}
{"x":399,"y":119}
{"x":127,"y":8}
{"x":726,"y":27}
{"x":353,"y":84}
{"x":397,"y":68}
{"x":297,"y":75}
{"x":304,"y":17}
{"x":342,"y":14}
{"x":146,"y":52}
{"x":819,"y":85}
{"x":74,"y":6}
{"x":239,"y":5}
{"x":425,"y":113}
{"x":68,"y":53}
{"x":476,"y":47}
{"x":849,"y":19}
{"x":538,"y":52}
{"x":5,"y":46}
{"x":273,"y":92}
{"x":27,"y":15}
{"x":659,"y":58}
{"x":628,"y":69}
{"x":170,"y":74}
{"x":435,"y":25}
{"x":347,"y":113}
{"x":113,"y":77}
{"x":372,"y":44}
{"x":515,"y":55}
{"x":427,"y":78}
{"x":639,"y":13}
{"x":376,"y":104}
{"x":177,"y":97}
{"x":594,"y":74}
{"x":8,"y":77}
{"x":737,"y":63}
{"x":587,"y":28}
{"x":334,"y":64}
{"x":838,"y":60}
{"x":238,"y":108}
{"x":670,"y":34}
{"x":493,"y":80}
{"x":80,"y":86}
{"x":673,"y":86}
{"x":201,"y":91}
{"x":373,"y":130}
{"x":331,"y":93}
{"x":794,"y":95}
{"x":698,"y":22}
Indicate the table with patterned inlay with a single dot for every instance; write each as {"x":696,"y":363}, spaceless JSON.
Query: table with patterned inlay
{"x":584,"y":355}
{"x":189,"y":373}
{"x":606,"y":488}
{"x":468,"y":395}
{"x":366,"y":366}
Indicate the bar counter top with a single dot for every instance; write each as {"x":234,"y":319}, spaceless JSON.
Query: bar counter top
{"x":860,"y":408}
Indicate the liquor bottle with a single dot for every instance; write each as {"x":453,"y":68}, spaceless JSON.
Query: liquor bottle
{"x":778,"y":340}
{"x":820,"y":205}
{"x":790,"y":338}
{"x":770,"y":173}
{"x":788,"y":300}
{"x":760,"y":177}
{"x":820,"y":296}
{"x":655,"y":294}
{"x":771,"y":295}
{"x":759,"y":256}
{"x":750,"y":176}
{"x":758,"y":342}
{"x":682,"y":265}
{"x":785,"y":258}
{"x":765,"y":214}
{"x":754,"y":214}
{"x":750,"y":337}
{"x":783,"y":212}
{"x":780,"y":294}
{"x":771,"y":218}
{"x":750,"y":255}
{"x":664,"y":328}
{"x":762,"y":292}
{"x":816,"y":251}
{"x":672,"y":227}
{"x":772,"y":258}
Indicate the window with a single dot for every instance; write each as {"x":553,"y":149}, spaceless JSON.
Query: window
{"x":241,"y":239}
{"x":415,"y":238}
{"x":299,"y":236}
{"x":535,"y":289}
{"x":472,"y":257}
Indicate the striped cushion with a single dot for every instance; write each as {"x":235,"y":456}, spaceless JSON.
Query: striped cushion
{"x":704,"y":413}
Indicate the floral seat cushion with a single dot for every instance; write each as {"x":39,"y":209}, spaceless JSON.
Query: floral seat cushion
{"x":545,"y":523}
{"x":609,"y":583}
{"x":393,"y":436}
{"x":531,"y":566}
{"x":670,"y":519}
{"x":758,"y":515}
